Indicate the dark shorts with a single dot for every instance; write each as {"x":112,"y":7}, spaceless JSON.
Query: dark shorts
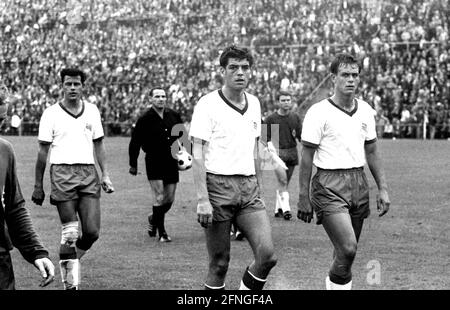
{"x":165,"y":169}
{"x":7,"y":281}
{"x":289,"y":156}
{"x":70,"y":182}
{"x":340,"y":191}
{"x":233,"y":195}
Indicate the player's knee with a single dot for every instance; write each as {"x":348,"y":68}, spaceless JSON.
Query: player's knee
{"x":266,"y":258}
{"x":219,"y":265}
{"x":159,"y":199}
{"x":87,"y":239}
{"x":166,"y":206}
{"x":348,"y":251}
{"x":168,"y":200}
{"x":69,"y":233}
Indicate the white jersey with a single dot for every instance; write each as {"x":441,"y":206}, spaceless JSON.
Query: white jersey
{"x":71,"y":136}
{"x":339,"y":136}
{"x":231,"y":133}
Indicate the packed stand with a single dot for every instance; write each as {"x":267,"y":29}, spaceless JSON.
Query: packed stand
{"x":127,"y":46}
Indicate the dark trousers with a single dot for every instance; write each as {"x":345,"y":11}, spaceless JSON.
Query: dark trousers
{"x":6,"y":272}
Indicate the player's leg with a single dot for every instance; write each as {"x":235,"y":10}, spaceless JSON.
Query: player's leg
{"x":68,"y":260}
{"x":157,"y":217}
{"x":218,"y":246}
{"x":169,"y":197}
{"x":285,"y":196}
{"x":283,"y":207}
{"x":362,"y":211}
{"x":256,"y":227}
{"x":282,"y":184}
{"x":357,"y":224}
{"x":289,"y":173}
{"x":290,"y":157}
{"x":90,"y":218}
{"x":340,"y":231}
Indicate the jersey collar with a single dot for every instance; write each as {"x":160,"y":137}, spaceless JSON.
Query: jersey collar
{"x":153,"y":111}
{"x":232,"y":105}
{"x":70,"y":113}
{"x":346,"y":112}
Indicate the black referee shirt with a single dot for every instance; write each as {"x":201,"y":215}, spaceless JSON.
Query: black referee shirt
{"x":290,"y":128}
{"x":154,"y":135}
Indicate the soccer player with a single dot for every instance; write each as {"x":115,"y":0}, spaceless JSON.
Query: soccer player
{"x":338,"y":137}
{"x":15,"y":217}
{"x":72,"y":130}
{"x":288,"y":127}
{"x":156,"y":132}
{"x":225,"y":128}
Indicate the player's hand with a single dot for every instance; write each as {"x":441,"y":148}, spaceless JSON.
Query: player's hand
{"x":383,"y":202}
{"x":204,"y":214}
{"x":304,"y":209}
{"x":46,"y":269}
{"x":133,"y":171}
{"x":38,"y":195}
{"x":107,"y":185}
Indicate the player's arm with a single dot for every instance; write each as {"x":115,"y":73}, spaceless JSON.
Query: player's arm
{"x":304,"y":209}
{"x":100,"y":153}
{"x":204,"y":208}
{"x":134,"y":148}
{"x":21,"y":230}
{"x":298,"y":130}
{"x":257,"y":159}
{"x":374,"y":162}
{"x":38,"y":195}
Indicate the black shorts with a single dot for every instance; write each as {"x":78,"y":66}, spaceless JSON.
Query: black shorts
{"x":165,"y":169}
{"x":7,"y":281}
{"x":289,"y":156}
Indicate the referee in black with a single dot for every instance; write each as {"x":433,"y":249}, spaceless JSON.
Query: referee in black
{"x":156,"y":132}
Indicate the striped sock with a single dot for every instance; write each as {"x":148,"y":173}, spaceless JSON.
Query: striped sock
{"x":251,"y":282}
{"x":209,"y":287}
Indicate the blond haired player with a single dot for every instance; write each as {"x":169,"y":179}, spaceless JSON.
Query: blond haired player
{"x":339,"y":137}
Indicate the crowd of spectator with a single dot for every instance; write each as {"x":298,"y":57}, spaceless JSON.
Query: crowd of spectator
{"x":128,"y":46}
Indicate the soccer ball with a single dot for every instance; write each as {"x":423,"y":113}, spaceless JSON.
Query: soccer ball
{"x":184,"y":160}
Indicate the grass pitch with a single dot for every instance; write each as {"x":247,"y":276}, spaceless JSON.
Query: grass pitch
{"x":409,"y":246}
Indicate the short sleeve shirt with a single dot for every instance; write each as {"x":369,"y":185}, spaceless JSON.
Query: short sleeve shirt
{"x":71,"y":136}
{"x":339,"y":136}
{"x":231,"y":133}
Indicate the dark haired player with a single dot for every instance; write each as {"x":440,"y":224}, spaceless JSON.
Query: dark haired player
{"x":225,"y":129}
{"x":288,"y":128}
{"x":72,"y":130}
{"x":156,"y":132}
